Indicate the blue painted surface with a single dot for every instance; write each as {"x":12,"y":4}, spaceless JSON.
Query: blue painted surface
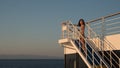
{"x":89,"y":54}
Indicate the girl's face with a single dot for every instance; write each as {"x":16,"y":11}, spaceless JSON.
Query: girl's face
{"x":81,"y":22}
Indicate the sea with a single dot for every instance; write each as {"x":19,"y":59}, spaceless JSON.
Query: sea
{"x":31,"y":63}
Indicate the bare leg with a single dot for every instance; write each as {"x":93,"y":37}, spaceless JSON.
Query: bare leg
{"x":83,"y":46}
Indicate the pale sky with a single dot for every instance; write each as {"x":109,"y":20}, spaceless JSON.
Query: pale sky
{"x":33,"y":27}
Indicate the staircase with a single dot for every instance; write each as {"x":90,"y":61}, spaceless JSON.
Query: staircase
{"x":100,"y":52}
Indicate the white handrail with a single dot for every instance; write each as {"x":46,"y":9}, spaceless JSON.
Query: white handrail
{"x":111,"y":15}
{"x":73,"y":33}
{"x":108,"y":44}
{"x":89,"y":44}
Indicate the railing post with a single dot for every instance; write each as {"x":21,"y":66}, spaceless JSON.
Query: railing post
{"x":76,"y":32}
{"x":67,"y":24}
{"x":93,"y":58}
{"x":103,"y":34}
{"x":110,"y":58}
{"x":100,"y":63}
{"x":73,"y":33}
{"x":119,"y":62}
{"x":74,"y":63}
{"x":89,"y":31}
{"x":62,"y":25}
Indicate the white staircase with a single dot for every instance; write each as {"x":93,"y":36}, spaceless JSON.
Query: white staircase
{"x":100,"y":52}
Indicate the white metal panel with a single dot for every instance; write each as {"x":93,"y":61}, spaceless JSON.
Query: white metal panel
{"x":64,"y":27}
{"x":69,"y":50}
{"x":114,"y":40}
{"x":61,"y":41}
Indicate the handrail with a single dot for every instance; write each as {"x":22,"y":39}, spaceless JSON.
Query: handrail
{"x":82,"y":56}
{"x":106,"y":27}
{"x":96,"y":35}
{"x":89,"y":44}
{"x":109,"y":46}
{"x":73,"y":33}
{"x":103,"y":17}
{"x":105,"y":21}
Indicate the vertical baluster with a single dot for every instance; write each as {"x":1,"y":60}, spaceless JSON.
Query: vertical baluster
{"x":100,"y":63}
{"x":62,"y":33}
{"x":110,"y":59}
{"x":67,"y":29}
{"x":119,"y":62}
{"x":103,"y":32}
{"x":73,"y":32}
{"x":93,"y":58}
{"x":89,"y":31}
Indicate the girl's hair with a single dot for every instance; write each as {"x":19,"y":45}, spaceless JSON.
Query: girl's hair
{"x":82,"y":21}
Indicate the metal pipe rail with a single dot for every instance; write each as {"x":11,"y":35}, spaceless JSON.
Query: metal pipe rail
{"x":73,"y":33}
{"x":109,"y":45}
{"x":101,"y":38}
{"x":103,"y":17}
{"x":95,"y":51}
{"x":96,"y":31}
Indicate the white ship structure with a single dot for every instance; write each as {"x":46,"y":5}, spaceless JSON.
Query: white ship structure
{"x":102,"y":42}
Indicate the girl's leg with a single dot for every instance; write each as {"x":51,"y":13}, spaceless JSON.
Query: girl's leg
{"x":83,"y":45}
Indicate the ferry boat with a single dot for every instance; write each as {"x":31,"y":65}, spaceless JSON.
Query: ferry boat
{"x":102,"y":42}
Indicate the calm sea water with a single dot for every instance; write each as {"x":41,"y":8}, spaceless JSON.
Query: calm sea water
{"x":37,"y":63}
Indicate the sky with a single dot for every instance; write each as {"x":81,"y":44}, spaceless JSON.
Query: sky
{"x":33,"y":27}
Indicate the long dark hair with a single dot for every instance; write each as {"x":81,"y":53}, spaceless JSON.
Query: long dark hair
{"x":82,"y":21}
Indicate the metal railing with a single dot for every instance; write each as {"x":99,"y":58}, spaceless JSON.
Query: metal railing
{"x":72,"y":32}
{"x":109,"y":47}
{"x":97,"y":31}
